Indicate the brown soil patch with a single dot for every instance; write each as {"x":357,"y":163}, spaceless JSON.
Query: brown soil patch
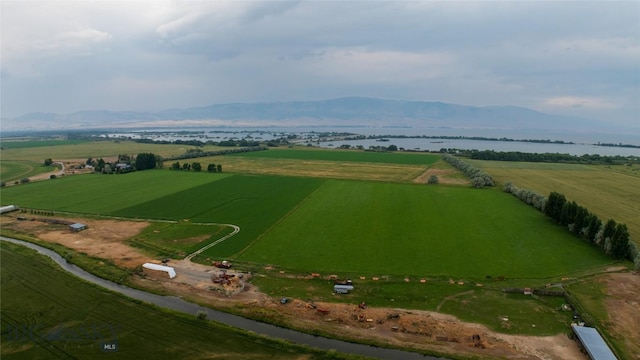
{"x":103,"y":238}
{"x":623,"y":306}
{"x":443,"y":177}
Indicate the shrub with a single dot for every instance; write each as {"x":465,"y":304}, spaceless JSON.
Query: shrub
{"x":202,"y":315}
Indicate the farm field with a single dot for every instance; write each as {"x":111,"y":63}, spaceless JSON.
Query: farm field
{"x":95,"y":149}
{"x":317,"y":224}
{"x":43,"y":320}
{"x":344,"y":155}
{"x":99,"y":194}
{"x":21,"y":144}
{"x":301,"y":213}
{"x":606,"y":191}
{"x":16,"y":170}
{"x":383,"y":229}
{"x":316,"y":168}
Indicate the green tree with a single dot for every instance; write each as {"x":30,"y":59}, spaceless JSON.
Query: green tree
{"x":186,"y":166}
{"x":620,"y":242}
{"x":555,"y":203}
{"x":48,"y":162}
{"x":219,"y":167}
{"x":175,"y":166}
{"x":146,"y":161}
{"x":592,"y":229}
{"x":211,"y":168}
{"x":100,"y":165}
{"x":196,"y":166}
{"x":607,"y":235}
{"x":477,"y":182}
{"x":433,"y":179}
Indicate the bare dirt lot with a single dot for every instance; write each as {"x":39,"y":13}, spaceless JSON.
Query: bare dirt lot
{"x":407,"y":328}
{"x":623,"y":307}
{"x":102,"y":238}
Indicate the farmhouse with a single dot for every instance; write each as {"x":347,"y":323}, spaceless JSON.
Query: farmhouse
{"x":8,"y":208}
{"x":593,"y":343}
{"x":77,"y":227}
{"x":155,"y":268}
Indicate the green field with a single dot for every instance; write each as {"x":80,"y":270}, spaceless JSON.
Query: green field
{"x":345,"y":155}
{"x":38,"y":143}
{"x":320,"y":225}
{"x":383,"y":229}
{"x":47,"y":313}
{"x":17,"y":170}
{"x":611,"y":192}
{"x":178,"y":239}
{"x":105,"y":194}
{"x":94,"y":149}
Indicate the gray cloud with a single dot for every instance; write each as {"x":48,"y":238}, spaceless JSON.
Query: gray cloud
{"x":574,"y":58}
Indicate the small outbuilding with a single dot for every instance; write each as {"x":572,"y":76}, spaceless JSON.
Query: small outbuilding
{"x":77,"y":227}
{"x":8,"y":208}
{"x":593,"y":343}
{"x":168,"y":270}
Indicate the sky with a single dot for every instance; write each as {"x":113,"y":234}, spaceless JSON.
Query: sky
{"x":563,"y":57}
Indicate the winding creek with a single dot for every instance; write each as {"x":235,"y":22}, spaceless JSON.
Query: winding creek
{"x":178,"y":304}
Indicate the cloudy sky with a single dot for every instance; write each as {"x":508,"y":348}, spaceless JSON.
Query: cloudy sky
{"x":573,"y":58}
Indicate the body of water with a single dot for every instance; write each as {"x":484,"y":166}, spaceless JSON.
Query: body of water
{"x":583,"y":142}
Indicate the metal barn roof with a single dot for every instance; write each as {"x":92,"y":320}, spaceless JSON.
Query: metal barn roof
{"x":593,"y":343}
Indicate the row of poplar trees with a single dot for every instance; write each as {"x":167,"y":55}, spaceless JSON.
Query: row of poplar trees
{"x":612,"y":238}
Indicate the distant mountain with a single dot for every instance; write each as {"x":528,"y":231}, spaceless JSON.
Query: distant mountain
{"x":347,"y":111}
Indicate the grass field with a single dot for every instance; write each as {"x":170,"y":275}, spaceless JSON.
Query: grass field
{"x":611,"y":192}
{"x":47,"y":313}
{"x":94,"y":149}
{"x":38,"y":143}
{"x":17,"y":170}
{"x":344,"y":155}
{"x":254,"y":203}
{"x":325,"y":225}
{"x":383,"y":229}
{"x":104,"y":194}
{"x":178,"y":239}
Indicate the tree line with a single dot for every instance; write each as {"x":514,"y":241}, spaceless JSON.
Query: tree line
{"x":195,"y":153}
{"x":478,"y":177}
{"x":196,"y":166}
{"x":455,"y":137}
{"x":226,"y":143}
{"x":611,"y":237}
{"x":543,"y":157}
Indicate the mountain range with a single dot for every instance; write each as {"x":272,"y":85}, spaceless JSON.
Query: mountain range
{"x":346,"y":111}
